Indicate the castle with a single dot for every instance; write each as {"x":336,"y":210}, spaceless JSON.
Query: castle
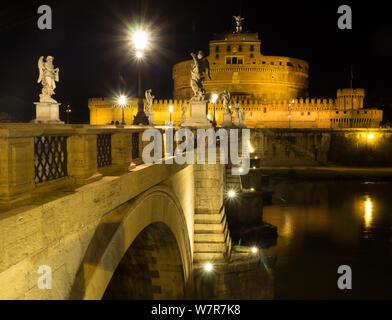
{"x":272,"y":90}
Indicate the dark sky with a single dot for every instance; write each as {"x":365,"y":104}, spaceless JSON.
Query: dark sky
{"x":88,"y":42}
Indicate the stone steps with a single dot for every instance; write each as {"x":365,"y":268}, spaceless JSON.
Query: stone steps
{"x":211,"y":238}
{"x":203,"y":218}
{"x":199,"y":257}
{"x":210,"y":246}
{"x":210,"y":227}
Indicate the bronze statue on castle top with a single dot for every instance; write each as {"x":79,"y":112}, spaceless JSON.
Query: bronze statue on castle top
{"x":238,"y":21}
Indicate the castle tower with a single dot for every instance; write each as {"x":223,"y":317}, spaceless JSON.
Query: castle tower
{"x":349,"y":98}
{"x":237,"y":65}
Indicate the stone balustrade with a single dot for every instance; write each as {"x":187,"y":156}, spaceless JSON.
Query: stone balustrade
{"x":36,"y":158}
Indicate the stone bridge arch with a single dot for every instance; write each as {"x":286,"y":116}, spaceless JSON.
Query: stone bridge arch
{"x":142,"y":245}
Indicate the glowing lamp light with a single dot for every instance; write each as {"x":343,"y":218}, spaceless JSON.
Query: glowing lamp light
{"x":122,"y":100}
{"x":231,"y":194}
{"x":208,"y":267}
{"x":139,"y":54}
{"x":208,"y":116}
{"x":140,"y":39}
{"x":370,"y":136}
{"x":254,"y":250}
{"x":170,"y":108}
{"x":252,"y":189}
{"x":214,"y":98}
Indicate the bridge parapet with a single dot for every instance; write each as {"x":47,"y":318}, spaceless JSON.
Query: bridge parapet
{"x":39,"y":157}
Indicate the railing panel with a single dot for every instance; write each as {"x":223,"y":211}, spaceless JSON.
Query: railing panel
{"x":135,"y":145}
{"x":50,"y":158}
{"x":104,"y":150}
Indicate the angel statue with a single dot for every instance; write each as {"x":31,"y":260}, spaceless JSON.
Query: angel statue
{"x":238,"y":21}
{"x":199,"y":67}
{"x":150,"y":100}
{"x":226,"y":101}
{"x":48,"y":75}
{"x":239,"y":118}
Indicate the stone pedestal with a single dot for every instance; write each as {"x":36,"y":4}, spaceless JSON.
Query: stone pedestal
{"x":198,"y":115}
{"x":226,"y":120}
{"x":150,"y":118}
{"x":47,"y":112}
{"x":238,"y":122}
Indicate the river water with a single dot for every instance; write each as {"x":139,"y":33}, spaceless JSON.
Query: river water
{"x":325,"y":224}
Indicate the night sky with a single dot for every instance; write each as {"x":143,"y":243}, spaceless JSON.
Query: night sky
{"x":89,"y":44}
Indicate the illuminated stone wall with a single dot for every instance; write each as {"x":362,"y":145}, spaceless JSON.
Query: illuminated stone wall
{"x":321,"y":147}
{"x":293,"y":113}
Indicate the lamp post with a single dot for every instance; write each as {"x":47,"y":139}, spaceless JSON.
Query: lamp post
{"x":140,"y":41}
{"x":213,"y":100}
{"x":122,"y":102}
{"x":68,"y":111}
{"x":170,"y":112}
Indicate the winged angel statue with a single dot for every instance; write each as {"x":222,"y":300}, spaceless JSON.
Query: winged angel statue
{"x":48,"y":76}
{"x":238,"y":21}
{"x":199,"y":67}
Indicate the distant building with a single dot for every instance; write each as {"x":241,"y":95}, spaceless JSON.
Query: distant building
{"x":272,"y":90}
{"x":238,"y":66}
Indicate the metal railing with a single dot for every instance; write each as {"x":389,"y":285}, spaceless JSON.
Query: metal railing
{"x":50,"y":158}
{"x":104,"y":150}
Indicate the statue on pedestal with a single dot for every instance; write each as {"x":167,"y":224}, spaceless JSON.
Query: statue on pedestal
{"x":199,"y":67}
{"x":47,"y":109}
{"x":48,"y":75}
{"x":227,"y":113}
{"x":199,"y":102}
{"x":150,"y":101}
{"x":226,"y":101}
{"x":239,"y":117}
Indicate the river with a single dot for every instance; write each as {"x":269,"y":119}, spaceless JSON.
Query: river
{"x":325,"y":224}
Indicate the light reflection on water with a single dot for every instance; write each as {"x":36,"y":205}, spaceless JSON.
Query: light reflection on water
{"x":325,"y":224}
{"x":368,"y":216}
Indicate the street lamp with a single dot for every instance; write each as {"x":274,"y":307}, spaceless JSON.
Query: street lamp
{"x":68,"y":111}
{"x":170,"y":111}
{"x":213,"y":100}
{"x":122,"y":102}
{"x":140,"y":43}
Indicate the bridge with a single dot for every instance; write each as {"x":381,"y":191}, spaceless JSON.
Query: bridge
{"x":78,"y":204}
{"x":79,"y":200}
